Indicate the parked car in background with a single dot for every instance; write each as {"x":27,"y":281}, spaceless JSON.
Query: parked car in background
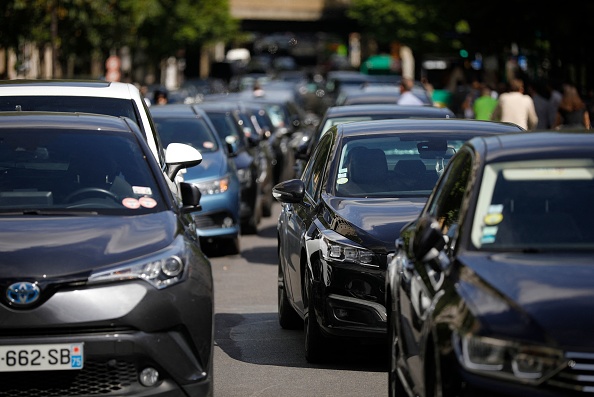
{"x":218,"y":223}
{"x":257,"y":125}
{"x":104,"y":288}
{"x":490,"y":285}
{"x":350,"y":113}
{"x":379,"y":93}
{"x":90,"y":96}
{"x":227,"y":122}
{"x":338,"y":222}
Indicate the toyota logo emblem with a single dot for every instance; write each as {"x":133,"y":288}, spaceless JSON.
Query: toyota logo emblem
{"x":22,"y":293}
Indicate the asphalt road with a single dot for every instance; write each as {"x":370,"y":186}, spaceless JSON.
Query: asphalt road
{"x":255,"y":357}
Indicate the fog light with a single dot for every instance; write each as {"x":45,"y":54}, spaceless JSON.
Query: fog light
{"x":227,"y":222}
{"x":149,"y":377}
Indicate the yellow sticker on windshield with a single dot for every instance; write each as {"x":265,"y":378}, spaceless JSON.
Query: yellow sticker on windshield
{"x":493,"y":219}
{"x":342,"y":181}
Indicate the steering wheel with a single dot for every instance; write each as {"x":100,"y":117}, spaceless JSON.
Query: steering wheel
{"x":93,"y":191}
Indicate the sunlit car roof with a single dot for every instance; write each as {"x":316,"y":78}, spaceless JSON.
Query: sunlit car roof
{"x":95,"y":88}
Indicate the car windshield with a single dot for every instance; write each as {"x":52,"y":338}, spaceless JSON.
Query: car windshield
{"x":536,"y":205}
{"x":56,"y":170}
{"x":395,"y":165}
{"x":192,"y":131}
{"x":226,"y":126}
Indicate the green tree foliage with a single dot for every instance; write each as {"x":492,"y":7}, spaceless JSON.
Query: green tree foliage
{"x":81,"y":28}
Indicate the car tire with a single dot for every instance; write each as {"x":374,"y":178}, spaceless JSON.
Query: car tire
{"x":232,"y":247}
{"x":287,"y":316}
{"x":267,"y":208}
{"x":315,"y":346}
{"x":395,"y":386}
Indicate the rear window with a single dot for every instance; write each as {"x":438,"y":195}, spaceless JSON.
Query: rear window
{"x":109,"y":106}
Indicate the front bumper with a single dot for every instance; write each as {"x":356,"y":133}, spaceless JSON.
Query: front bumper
{"x":126,"y":327}
{"x":112,"y":364}
{"x":350,"y":303}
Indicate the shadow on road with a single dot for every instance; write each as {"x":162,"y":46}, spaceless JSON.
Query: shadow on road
{"x":257,"y":338}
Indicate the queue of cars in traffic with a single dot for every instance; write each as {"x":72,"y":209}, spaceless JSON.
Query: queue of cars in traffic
{"x":464,"y":246}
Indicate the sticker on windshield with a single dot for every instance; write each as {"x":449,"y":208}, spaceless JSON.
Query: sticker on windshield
{"x":142,"y":190}
{"x":130,"y":202}
{"x":494,"y":215}
{"x":342,"y":181}
{"x":147,"y":202}
{"x":493,"y":219}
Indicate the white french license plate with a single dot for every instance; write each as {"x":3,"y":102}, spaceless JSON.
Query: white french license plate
{"x":41,"y":357}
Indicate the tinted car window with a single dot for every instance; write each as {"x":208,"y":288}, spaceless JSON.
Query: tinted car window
{"x":226,"y":126}
{"x":194,"y":132}
{"x":446,"y":206}
{"x":64,"y":170}
{"x":110,"y":106}
{"x":316,"y":172}
{"x":535,"y":204}
{"x":391,"y":165}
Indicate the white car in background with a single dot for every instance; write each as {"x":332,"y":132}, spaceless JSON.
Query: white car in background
{"x":95,"y":96}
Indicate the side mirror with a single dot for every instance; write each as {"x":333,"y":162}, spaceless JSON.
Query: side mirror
{"x":428,"y":240}
{"x":232,"y":145}
{"x":302,"y":150}
{"x":190,"y":195}
{"x":179,"y":156}
{"x":290,"y":191}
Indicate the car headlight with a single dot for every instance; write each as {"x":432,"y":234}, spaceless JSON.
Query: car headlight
{"x":342,"y":250}
{"x":506,"y":359}
{"x":162,"y":269}
{"x":245,"y":176}
{"x":214,"y":187}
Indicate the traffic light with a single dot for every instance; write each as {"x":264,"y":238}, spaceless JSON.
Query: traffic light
{"x":463,"y":53}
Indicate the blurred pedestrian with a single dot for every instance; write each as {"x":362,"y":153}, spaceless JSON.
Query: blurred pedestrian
{"x":406,"y":95}
{"x":160,"y":98}
{"x":542,"y":104}
{"x":485,"y":104}
{"x":516,"y":107}
{"x":572,"y":111}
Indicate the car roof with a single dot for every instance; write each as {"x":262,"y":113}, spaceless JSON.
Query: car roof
{"x":534,"y":144}
{"x":92,"y":88}
{"x":177,"y":110}
{"x":65,"y":120}
{"x":426,"y":125}
{"x":388,"y":109}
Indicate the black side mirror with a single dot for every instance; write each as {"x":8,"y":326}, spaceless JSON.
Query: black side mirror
{"x":428,"y":240}
{"x":290,"y":191}
{"x":190,"y":195}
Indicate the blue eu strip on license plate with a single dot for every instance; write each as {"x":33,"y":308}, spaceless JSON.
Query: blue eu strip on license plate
{"x":49,"y":357}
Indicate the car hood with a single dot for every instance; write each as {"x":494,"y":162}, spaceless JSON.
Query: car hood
{"x":214,"y":165}
{"x":47,"y":247}
{"x":374,"y":223}
{"x":549,"y":294}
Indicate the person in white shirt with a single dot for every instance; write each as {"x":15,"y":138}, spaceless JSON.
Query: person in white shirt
{"x":406,"y":96}
{"x":516,"y":107}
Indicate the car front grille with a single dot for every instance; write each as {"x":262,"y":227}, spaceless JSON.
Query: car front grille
{"x":577,"y":377}
{"x":95,"y":379}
